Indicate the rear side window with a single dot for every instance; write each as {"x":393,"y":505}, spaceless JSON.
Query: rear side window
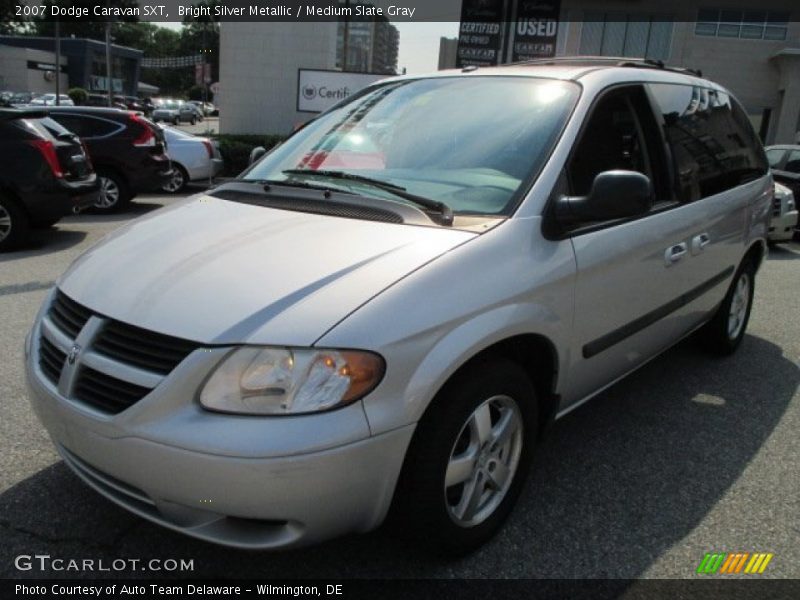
{"x":793,"y":162}
{"x":775,"y":156}
{"x":713,"y":145}
{"x":45,"y":128}
{"x":87,"y":127}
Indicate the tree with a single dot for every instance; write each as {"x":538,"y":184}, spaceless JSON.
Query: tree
{"x":10,"y":23}
{"x":200,"y":35}
{"x":78,"y":95}
{"x":79,"y":26}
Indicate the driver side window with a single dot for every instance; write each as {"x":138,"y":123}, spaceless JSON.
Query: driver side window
{"x":614,"y":138}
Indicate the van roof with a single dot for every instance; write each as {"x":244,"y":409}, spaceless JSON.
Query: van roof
{"x":576,"y":67}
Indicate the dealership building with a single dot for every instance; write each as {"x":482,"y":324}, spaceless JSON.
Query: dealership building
{"x":85,"y":64}
{"x":754,"y":53}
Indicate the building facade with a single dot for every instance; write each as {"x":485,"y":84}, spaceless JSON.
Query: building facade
{"x":372,"y":45}
{"x":259,"y":71}
{"x":754,"y":52}
{"x":27,"y":70}
{"x":86,"y":62}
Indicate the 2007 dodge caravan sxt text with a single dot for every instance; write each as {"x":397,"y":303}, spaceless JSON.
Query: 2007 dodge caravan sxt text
{"x":386,"y":310}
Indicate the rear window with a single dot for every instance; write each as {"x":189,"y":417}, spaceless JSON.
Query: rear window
{"x":45,"y":128}
{"x":87,"y":127}
{"x":712,"y":141}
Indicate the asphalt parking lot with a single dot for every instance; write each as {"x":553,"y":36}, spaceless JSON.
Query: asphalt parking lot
{"x":689,"y":455}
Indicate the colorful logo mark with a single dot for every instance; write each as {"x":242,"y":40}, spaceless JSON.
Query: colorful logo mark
{"x":730,"y":563}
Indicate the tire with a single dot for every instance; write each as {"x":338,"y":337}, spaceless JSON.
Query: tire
{"x":178,"y":182}
{"x":445,"y":515}
{"x":114,"y":192}
{"x":176,"y":121}
{"x":725,"y":331}
{"x":14,"y":224}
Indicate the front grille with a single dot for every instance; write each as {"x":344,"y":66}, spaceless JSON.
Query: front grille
{"x":51,"y":360}
{"x":131,"y":349}
{"x":107,"y":393}
{"x":141,"y":348}
{"x":68,"y":315}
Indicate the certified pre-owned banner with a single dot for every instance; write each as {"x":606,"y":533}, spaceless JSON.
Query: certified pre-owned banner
{"x":535,"y":29}
{"x":480,"y":36}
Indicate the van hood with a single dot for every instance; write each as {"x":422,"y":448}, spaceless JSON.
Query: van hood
{"x":221,"y":272}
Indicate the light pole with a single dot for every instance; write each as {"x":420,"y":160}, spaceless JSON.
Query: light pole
{"x":58,"y":62}
{"x":108,"y":54}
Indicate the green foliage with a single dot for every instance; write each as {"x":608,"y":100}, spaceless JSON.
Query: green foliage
{"x":78,"y":95}
{"x":195,"y":93}
{"x":235,"y":149}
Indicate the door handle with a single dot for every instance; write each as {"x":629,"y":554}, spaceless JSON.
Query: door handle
{"x":699,"y":242}
{"x":674,"y":253}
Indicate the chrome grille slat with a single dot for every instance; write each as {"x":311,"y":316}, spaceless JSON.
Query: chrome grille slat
{"x":118,"y":365}
{"x":51,"y":360}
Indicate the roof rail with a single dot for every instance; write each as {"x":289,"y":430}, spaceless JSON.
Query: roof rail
{"x":611,"y":61}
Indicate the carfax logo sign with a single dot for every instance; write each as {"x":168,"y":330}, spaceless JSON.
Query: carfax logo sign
{"x":734,"y":563}
{"x":536,"y":29}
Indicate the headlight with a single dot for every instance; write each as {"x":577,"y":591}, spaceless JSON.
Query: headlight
{"x":290,"y":381}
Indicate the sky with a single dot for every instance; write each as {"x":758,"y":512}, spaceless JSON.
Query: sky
{"x":419,"y":44}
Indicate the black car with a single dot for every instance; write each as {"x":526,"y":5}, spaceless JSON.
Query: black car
{"x":45,"y":175}
{"x":127,"y":149}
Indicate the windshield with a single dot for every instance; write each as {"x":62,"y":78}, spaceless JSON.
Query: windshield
{"x":468,"y":142}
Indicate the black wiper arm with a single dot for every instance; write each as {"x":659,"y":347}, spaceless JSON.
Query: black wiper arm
{"x":445,"y":212}
{"x":293,"y":183}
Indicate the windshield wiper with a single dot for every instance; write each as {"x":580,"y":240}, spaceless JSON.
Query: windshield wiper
{"x":445,"y":212}
{"x":294,"y":183}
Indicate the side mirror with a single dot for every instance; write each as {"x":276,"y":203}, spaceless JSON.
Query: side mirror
{"x":257,"y":153}
{"x":614,"y":195}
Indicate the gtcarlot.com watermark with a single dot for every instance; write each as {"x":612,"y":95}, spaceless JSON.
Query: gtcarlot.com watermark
{"x":48,"y":563}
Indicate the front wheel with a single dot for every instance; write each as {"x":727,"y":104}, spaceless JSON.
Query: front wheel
{"x":723,"y":334}
{"x":469,"y":458}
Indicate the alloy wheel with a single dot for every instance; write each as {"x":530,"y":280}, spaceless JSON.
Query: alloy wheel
{"x":483,"y":461}
{"x":175,"y":183}
{"x":109,"y":193}
{"x":739,"y":305}
{"x":5,"y":223}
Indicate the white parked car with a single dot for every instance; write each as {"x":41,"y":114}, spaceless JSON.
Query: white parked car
{"x":50,"y":100}
{"x":783,"y":221}
{"x":193,"y":159}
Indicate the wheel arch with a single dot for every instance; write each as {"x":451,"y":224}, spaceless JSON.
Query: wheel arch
{"x":536,"y":355}
{"x":757,"y":252}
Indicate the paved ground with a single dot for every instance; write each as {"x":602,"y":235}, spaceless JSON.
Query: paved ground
{"x":687,"y":456}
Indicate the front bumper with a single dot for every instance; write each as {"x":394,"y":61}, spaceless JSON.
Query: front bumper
{"x":782,"y":228}
{"x":246,"y":482}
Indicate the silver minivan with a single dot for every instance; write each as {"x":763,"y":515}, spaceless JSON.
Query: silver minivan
{"x":381,"y":315}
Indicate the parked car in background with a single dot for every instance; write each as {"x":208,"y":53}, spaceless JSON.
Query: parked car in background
{"x":784,"y":219}
{"x":206,"y":108}
{"x":784,"y":161}
{"x":299,"y":352}
{"x":45,"y":175}
{"x":127,"y":150}
{"x":101,"y":100}
{"x":21,"y":98}
{"x":175,"y":112}
{"x":193,"y":159}
{"x":50,"y":100}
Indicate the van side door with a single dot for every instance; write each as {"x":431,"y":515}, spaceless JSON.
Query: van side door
{"x":631,"y":273}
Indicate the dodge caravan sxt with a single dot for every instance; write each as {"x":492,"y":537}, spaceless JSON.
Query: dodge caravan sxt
{"x":383,"y":313}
